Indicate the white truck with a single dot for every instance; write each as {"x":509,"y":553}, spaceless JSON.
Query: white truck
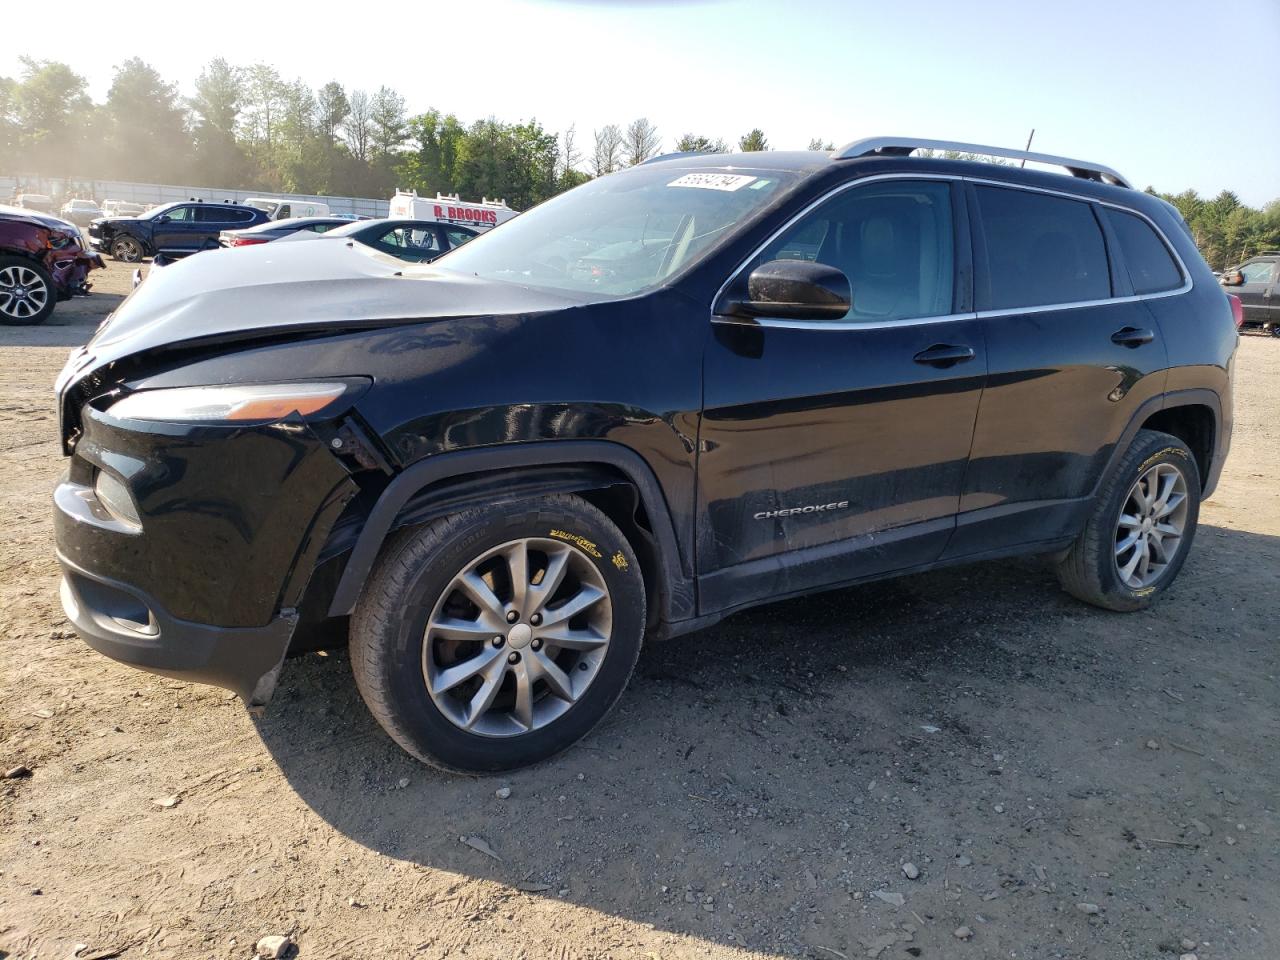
{"x":283,"y":208}
{"x":484,"y":215}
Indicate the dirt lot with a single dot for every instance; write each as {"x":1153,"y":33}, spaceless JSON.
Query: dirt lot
{"x":1068,"y":782}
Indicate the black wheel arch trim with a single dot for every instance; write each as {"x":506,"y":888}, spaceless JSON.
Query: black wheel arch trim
{"x":674,"y":568}
{"x":1169,"y":401}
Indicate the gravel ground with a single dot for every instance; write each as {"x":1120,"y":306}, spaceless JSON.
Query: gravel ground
{"x":966,"y":764}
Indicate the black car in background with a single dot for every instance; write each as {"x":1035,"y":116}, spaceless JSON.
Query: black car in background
{"x":275,"y":229}
{"x":1257,"y":283}
{"x":415,"y":241}
{"x":174,"y":229}
{"x":675,"y":392}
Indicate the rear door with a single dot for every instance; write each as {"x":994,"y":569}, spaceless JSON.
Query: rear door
{"x":835,"y":450}
{"x":1072,"y":354}
{"x":212,"y":219}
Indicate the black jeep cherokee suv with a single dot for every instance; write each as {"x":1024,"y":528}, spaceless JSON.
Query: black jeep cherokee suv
{"x":700,"y":384}
{"x":174,"y":229}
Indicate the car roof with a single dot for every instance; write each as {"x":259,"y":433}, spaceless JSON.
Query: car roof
{"x":898,"y":159}
{"x":292,"y":222}
{"x":35,"y":216}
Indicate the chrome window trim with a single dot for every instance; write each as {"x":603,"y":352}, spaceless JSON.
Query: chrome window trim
{"x":842,"y":324}
{"x":846,"y":325}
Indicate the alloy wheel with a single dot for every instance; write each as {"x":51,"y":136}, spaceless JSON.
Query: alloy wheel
{"x":1152,"y":522}
{"x":127,"y":250}
{"x":517,"y":637}
{"x":23,"y":292}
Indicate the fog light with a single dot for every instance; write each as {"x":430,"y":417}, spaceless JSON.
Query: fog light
{"x":114,"y":495}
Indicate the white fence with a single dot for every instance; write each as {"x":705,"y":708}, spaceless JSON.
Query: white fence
{"x":153,"y":193}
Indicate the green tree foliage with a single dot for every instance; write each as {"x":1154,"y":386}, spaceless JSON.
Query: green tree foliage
{"x":217,"y":156}
{"x":247,"y":127}
{"x":54,"y":116}
{"x":145,"y":125}
{"x":696,"y":143}
{"x":1226,"y":230}
{"x":817,"y":143}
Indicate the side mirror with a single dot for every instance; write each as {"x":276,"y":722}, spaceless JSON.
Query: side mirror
{"x":1232,"y":279}
{"x":797,"y":290}
{"x":163,"y":218}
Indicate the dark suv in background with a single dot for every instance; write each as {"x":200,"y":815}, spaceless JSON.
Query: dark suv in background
{"x":1257,"y":283}
{"x":174,"y":229}
{"x":700,"y":384}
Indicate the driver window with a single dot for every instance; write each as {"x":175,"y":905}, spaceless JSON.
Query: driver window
{"x":179,"y":213}
{"x":894,"y":241}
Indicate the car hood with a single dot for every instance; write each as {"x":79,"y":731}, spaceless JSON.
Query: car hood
{"x":273,"y":289}
{"x":35,"y":216}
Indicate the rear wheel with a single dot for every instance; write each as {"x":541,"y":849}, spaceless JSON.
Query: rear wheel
{"x":126,"y":249}
{"x":1141,"y":527}
{"x":498,"y":636}
{"x":26,"y":292}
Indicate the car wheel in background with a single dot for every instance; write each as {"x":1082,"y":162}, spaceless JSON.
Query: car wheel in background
{"x":126,"y":249}
{"x":1140,"y":529}
{"x":26,"y":292}
{"x":498,"y":636}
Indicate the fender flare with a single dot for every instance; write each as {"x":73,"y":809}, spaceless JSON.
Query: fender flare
{"x":678,"y":585}
{"x":1166,"y":401}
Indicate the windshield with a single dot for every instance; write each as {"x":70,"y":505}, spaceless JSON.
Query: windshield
{"x":620,"y":234}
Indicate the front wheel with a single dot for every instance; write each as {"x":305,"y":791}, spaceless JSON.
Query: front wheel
{"x":498,"y":636}
{"x":1141,"y":527}
{"x":126,"y":249}
{"x":26,"y":292}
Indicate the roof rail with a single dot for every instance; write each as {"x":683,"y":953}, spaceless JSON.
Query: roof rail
{"x":902,"y":146}
{"x":673,"y":156}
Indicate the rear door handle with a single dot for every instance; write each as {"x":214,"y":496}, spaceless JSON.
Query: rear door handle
{"x":944,"y":354}
{"x":1132,"y":336}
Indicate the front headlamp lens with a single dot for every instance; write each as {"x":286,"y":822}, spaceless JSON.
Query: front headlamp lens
{"x":233,"y":403}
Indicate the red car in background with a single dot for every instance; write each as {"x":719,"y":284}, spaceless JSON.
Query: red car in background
{"x":42,"y":260}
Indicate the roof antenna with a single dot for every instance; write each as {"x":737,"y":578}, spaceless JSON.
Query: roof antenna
{"x":1028,"y":146}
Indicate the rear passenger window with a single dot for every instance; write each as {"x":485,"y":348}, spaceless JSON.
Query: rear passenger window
{"x":1041,"y":250}
{"x":1150,"y":265}
{"x":894,"y":242}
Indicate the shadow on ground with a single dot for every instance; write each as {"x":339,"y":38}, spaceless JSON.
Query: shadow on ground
{"x":759,"y":780}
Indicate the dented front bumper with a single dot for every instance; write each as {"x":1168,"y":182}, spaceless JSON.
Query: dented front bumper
{"x":185,"y":549}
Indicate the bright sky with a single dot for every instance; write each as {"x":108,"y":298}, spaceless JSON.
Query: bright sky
{"x":1162,"y":90}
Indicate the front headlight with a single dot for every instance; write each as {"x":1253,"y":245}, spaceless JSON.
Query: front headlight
{"x":232,"y":403}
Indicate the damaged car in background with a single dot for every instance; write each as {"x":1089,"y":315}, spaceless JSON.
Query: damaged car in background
{"x":42,"y":261}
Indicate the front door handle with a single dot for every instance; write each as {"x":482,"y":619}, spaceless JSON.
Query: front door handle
{"x":944,"y":354}
{"x":1132,"y":336}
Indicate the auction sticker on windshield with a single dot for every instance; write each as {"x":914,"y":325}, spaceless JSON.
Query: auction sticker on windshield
{"x":712,"y":181}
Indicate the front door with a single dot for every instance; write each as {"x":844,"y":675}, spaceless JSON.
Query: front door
{"x":1257,"y":292}
{"x":835,"y":450}
{"x":1072,"y":351}
{"x":176,"y":234}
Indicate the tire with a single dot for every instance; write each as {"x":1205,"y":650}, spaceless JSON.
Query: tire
{"x":414,"y":623}
{"x":127,"y":249}
{"x":27,"y":294}
{"x":1098,"y":567}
